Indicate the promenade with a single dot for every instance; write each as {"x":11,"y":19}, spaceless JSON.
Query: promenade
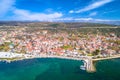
{"x":111,"y":57}
{"x":89,"y":67}
{"x":7,"y":56}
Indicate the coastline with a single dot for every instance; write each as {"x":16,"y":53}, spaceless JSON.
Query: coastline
{"x":14,"y":57}
{"x":8,"y":55}
{"x":111,"y":57}
{"x":90,"y":67}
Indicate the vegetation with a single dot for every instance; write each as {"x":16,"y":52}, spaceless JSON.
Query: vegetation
{"x":66,"y":47}
{"x":96,"y":52}
{"x":5,"y":46}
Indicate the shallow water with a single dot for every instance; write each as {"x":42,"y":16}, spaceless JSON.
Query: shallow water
{"x":58,"y":69}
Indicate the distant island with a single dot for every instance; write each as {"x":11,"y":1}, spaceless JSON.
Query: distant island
{"x":80,"y":41}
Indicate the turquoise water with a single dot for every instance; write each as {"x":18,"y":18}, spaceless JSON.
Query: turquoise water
{"x":58,"y":69}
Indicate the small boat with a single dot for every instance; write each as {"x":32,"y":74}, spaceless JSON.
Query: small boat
{"x":82,"y":67}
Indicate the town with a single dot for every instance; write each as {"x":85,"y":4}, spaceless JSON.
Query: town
{"x":53,"y":42}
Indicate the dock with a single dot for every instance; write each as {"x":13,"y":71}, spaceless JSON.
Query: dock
{"x":89,"y":65}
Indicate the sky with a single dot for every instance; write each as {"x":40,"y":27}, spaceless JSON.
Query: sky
{"x":52,"y":10}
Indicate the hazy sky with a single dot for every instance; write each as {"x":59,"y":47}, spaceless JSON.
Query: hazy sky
{"x":49,"y":10}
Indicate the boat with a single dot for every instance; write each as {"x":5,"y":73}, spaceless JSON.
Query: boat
{"x":82,"y":67}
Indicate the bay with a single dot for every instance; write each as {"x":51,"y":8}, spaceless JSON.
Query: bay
{"x":58,"y":69}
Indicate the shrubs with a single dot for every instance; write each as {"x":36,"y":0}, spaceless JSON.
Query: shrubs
{"x":96,"y":52}
{"x":66,"y":47}
{"x":5,"y":47}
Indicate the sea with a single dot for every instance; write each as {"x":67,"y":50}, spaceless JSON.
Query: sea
{"x":58,"y":69}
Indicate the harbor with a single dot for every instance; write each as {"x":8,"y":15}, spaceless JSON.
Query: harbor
{"x":8,"y":57}
{"x":60,"y":69}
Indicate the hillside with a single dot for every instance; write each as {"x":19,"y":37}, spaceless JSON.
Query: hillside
{"x":53,"y":24}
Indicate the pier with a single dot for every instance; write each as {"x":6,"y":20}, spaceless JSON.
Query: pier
{"x":88,"y":62}
{"x":89,"y":65}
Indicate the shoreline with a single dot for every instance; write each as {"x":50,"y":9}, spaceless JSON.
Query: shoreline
{"x":88,"y":60}
{"x":16,"y":56}
{"x":6,"y":56}
{"x":106,"y":58}
{"x":90,"y":67}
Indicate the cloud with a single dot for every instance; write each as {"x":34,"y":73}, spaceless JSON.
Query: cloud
{"x":11,"y":12}
{"x":92,"y":6}
{"x":93,"y":14}
{"x":5,"y":6}
{"x":20,"y":14}
{"x":88,"y":19}
{"x":71,"y":11}
{"x":109,"y":11}
{"x":74,"y":19}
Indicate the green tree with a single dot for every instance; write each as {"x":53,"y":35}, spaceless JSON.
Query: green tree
{"x":96,"y":52}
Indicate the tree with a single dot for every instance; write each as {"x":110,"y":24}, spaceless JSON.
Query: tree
{"x":96,"y":52}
